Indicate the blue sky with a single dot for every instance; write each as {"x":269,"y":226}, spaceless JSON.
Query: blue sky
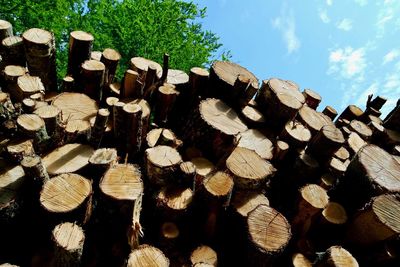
{"x":343,"y":49}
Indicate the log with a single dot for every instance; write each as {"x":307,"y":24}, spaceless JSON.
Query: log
{"x":34,"y":127}
{"x":342,"y":154}
{"x":269,"y":235}
{"x":330,"y":112}
{"x":336,"y":167}
{"x":68,"y":84}
{"x":280,"y":101}
{"x":313,"y":120}
{"x":166,"y":97}
{"x":337,"y":256}
{"x":255,"y":140}
{"x":281,"y":149}
{"x":312,"y":199}
{"x":141,"y":66}
{"x":72,"y":204}
{"x":243,"y":202}
{"x":325,"y":143}
{"x":133,"y":114}
{"x":28,"y":85}
{"x":312,"y":98}
{"x":96,"y":55}
{"x":145,"y":117}
{"x":67,"y":158}
{"x":35,"y":169}
{"x":252,"y":117}
{"x":198,"y":82}
{"x":80,"y":48}
{"x":99,"y":127}
{"x":77,"y":131}
{"x":361,"y":129}
{"x":249,"y":170}
{"x":68,"y":239}
{"x":378,"y":102}
{"x":6,"y":29}
{"x":295,"y":134}
{"x":378,"y":132}
{"x":203,"y":169}
{"x":223,"y":75}
{"x":17,"y":149}
{"x":11,"y":74}
{"x":188,"y":174}
{"x":130,"y":87}
{"x":352,"y":112}
{"x":103,"y":158}
{"x":178,"y":78}
{"x":92,"y":78}
{"x":355,"y":143}
{"x":13,"y":52}
{"x":110,"y":59}
{"x":75,"y":106}
{"x":174,"y":202}
{"x":28,"y":105}
{"x":299,"y":260}
{"x":379,"y":220}
{"x":51,"y":116}
{"x":12,"y":180}
{"x":372,"y":172}
{"x":41,"y":56}
{"x":216,"y":125}
{"x":204,"y":254}
{"x":162,"y":136}
{"x":146,"y":255}
{"x":161,"y":163}
{"x":393,"y":118}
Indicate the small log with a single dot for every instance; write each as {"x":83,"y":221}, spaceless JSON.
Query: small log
{"x":312,"y":199}
{"x":355,"y":143}
{"x":377,"y":103}
{"x":264,"y":222}
{"x":203,"y":169}
{"x":313,"y":120}
{"x":166,"y":97}
{"x":110,"y":102}
{"x":174,"y":202}
{"x":165,"y":67}
{"x":141,"y":65}
{"x":255,"y":140}
{"x":169,"y":239}
{"x":129,"y":86}
{"x":361,"y":129}
{"x":68,"y":239}
{"x":133,"y":114}
{"x":92,"y":76}
{"x":75,"y":106}
{"x":161,"y":163}
{"x":13,"y":52}
{"x":249,"y":170}
{"x":68,"y":84}
{"x":325,"y":143}
{"x":28,"y":105}
{"x":330,"y":112}
{"x":312,"y":98}
{"x":162,"y":136}
{"x":336,"y":256}
{"x":345,"y":131}
{"x":18,"y":149}
{"x":379,"y":220}
{"x":114,"y":89}
{"x":34,"y":127}
{"x":146,"y":255}
{"x":378,"y":132}
{"x":280,"y":151}
{"x":280,"y":101}
{"x":12,"y":180}
{"x":204,"y":254}
{"x":80,"y":48}
{"x":67,"y":158}
{"x":6,"y":29}
{"x":342,"y":154}
{"x":299,"y":260}
{"x":145,"y":117}
{"x":72,"y":204}
{"x":336,"y":167}
{"x":149,"y":80}
{"x":295,"y":134}
{"x":198,"y":82}
{"x":27,"y":85}
{"x":77,"y":131}
{"x":38,"y":96}
{"x":11,"y":74}
{"x":188,"y":174}
{"x":35,"y":169}
{"x":51,"y":116}
{"x":96,"y":55}
{"x":178,"y":78}
{"x":41,"y":56}
{"x":252,"y":117}
{"x":243,"y":202}
{"x":110,"y":59}
{"x":99,"y":127}
{"x":103,"y":158}
{"x":372,"y":172}
{"x":352,"y":112}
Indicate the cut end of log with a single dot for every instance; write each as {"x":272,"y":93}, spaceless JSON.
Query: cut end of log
{"x":93,"y":65}
{"x":338,"y":257}
{"x":75,"y":106}
{"x":387,"y":209}
{"x":146,"y":255}
{"x":176,"y":199}
{"x":38,"y":36}
{"x":111,"y":54}
{"x":65,"y":192}
{"x":163,"y":156}
{"x":315,"y":195}
{"x":335,"y":213}
{"x":203,"y":166}
{"x":11,"y":181}
{"x":69,"y":236}
{"x":4,"y":24}
{"x":219,"y":184}
{"x":268,"y":229}
{"x":255,"y":140}
{"x":204,"y":254}
{"x":141,"y":65}
{"x":82,"y":36}
{"x":169,"y":230}
{"x":30,"y":122}
{"x":14,"y":71}
{"x":299,"y":260}
{"x":103,"y":156}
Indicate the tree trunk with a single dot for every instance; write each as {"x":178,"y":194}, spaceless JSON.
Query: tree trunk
{"x":130,"y":88}
{"x":80,"y":48}
{"x":361,"y":129}
{"x":92,"y":76}
{"x":313,"y":120}
{"x":252,"y":117}
{"x":166,"y":97}
{"x":68,"y":84}
{"x":110,"y":59}
{"x":11,"y":74}
{"x":28,"y":85}
{"x":174,"y":202}
{"x":18,"y":149}
{"x":6,"y":29}
{"x":77,"y":131}
{"x":352,"y":112}
{"x":198,"y":82}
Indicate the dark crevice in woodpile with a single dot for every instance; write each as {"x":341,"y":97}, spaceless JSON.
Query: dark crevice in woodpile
{"x":165,"y":168}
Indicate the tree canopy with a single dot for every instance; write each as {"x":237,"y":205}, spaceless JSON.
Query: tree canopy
{"x":146,"y":28}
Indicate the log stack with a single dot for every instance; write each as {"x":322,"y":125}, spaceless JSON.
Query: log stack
{"x":200,"y":169}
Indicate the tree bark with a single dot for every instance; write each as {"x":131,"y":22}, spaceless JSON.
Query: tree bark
{"x":99,"y":127}
{"x":80,"y":48}
{"x":92,"y":76}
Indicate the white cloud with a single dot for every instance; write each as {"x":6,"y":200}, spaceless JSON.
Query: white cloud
{"x":329,"y":2}
{"x":345,"y":24}
{"x":392,"y":55}
{"x":361,"y":2}
{"x":386,"y":14}
{"x":349,"y":62}
{"x":286,"y":24}
{"x":323,"y":15}
{"x":392,"y":81}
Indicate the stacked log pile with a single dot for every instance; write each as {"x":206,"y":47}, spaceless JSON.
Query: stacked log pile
{"x":169,"y":169}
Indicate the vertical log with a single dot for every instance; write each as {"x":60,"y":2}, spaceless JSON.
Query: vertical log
{"x":27,"y":85}
{"x":110,"y":59}
{"x":33,"y":126}
{"x":96,"y":55}
{"x":133,"y":114}
{"x":18,"y":149}
{"x":13,"y":52}
{"x":34,"y":168}
{"x":166,"y":97}
{"x":92,"y":76}
{"x":77,"y":131}
{"x":378,"y":102}
{"x":80,"y":48}
{"x":52,"y":118}
{"x":40,"y":53}
{"x":11,"y":74}
{"x":12,"y":181}
{"x":299,"y":260}
{"x":295,"y":134}
{"x":6,"y":29}
{"x":312,"y":98}
{"x":129,"y":86}
{"x":198,"y":81}
{"x":28,"y":105}
{"x":392,"y":120}
{"x":330,"y":112}
{"x":99,"y":127}
{"x":68,"y":84}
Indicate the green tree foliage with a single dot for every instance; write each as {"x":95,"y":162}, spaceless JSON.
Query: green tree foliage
{"x":147,"y":28}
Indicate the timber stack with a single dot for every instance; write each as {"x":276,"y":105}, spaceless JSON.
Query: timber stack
{"x":165,"y":168}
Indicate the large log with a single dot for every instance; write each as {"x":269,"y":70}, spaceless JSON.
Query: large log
{"x":11,"y":74}
{"x":295,"y":134}
{"x":28,"y":85}
{"x":41,"y":56}
{"x":75,"y":106}
{"x":80,"y":48}
{"x":352,"y":112}
{"x":361,"y":129}
{"x":243,"y":202}
{"x":313,"y":120}
{"x":13,"y":52}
